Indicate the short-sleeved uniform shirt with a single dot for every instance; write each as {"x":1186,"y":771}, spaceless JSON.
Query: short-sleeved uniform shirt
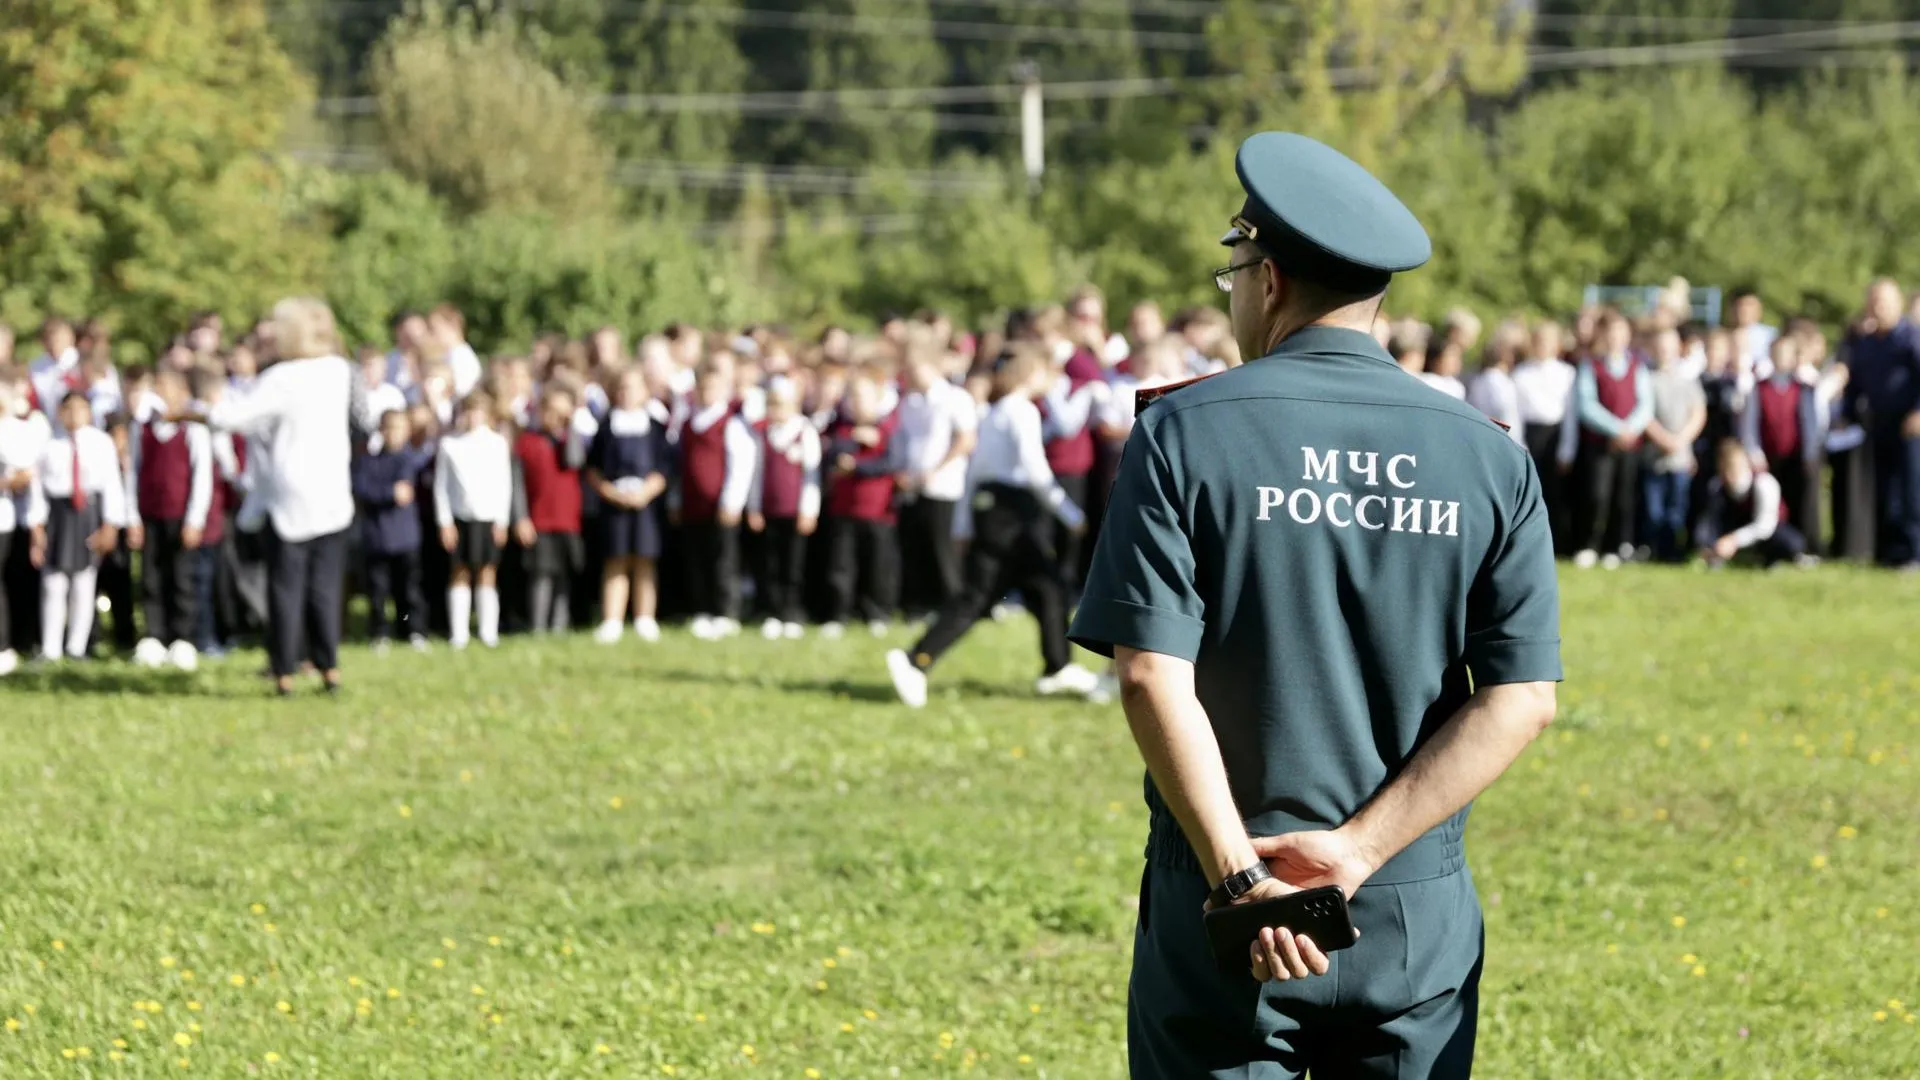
{"x":1342,"y":551}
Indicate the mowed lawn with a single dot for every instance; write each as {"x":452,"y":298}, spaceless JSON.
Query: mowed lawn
{"x":560,"y":859}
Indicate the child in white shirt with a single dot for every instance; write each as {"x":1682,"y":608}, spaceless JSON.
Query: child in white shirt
{"x":473,"y":501}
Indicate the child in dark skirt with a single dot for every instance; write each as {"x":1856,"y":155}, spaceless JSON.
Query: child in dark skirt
{"x":76,"y":509}
{"x":387,"y":484}
{"x":549,"y":499}
{"x":627,"y":467}
{"x":473,"y":496}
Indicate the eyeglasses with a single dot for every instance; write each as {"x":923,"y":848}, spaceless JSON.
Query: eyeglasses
{"x":1223,"y":277}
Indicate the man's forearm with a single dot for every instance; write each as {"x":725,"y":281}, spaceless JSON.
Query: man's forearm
{"x":1460,"y":761}
{"x":1177,"y":742}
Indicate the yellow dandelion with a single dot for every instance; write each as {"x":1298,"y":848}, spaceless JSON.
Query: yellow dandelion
{"x":811,"y":1074}
{"x":602,"y":1048}
{"x":364,"y":1005}
{"x":166,"y":961}
{"x":193,"y":1006}
{"x":762,"y":928}
{"x":1875,"y":757}
{"x":115,"y":1055}
{"x":1847,"y":832}
{"x":1115,"y":807}
{"x":746,"y":1050}
{"x":1880,"y":1015}
{"x":31,"y":1009}
{"x":448,"y":943}
{"x":258,"y":909}
{"x":466,"y":776}
{"x":185,"y":1063}
{"x":821,"y":985}
{"x":1018,"y":752}
{"x":946,"y":1040}
{"x":616,"y":802}
{"x":1612,"y":948}
{"x":1025,"y":1059}
{"x":1584,"y":790}
{"x":1699,"y":970}
{"x":669,"y":1070}
{"x":439,"y":963}
{"x":494,"y":941}
{"x":1689,"y":959}
{"x":283,"y":1006}
{"x":181,"y":1038}
{"x":13,"y":1024}
{"x":829,"y":963}
{"x":1881,"y":913}
{"x":405,"y":810}
{"x":1679,"y":921}
{"x":477,"y":991}
{"x":139,"y":1024}
{"x":120,"y":1044}
{"x":353,"y":980}
{"x":1660,"y":813}
{"x":270,"y":928}
{"x":843,"y":952}
{"x":699,"y":1018}
{"x":846,"y":1028}
{"x":1034,"y":1008}
{"x":566,"y":950}
{"x":270,"y":1058}
{"x":494,"y":1019}
{"x":186,"y":976}
{"x":59,"y":946}
{"x":85,"y":1051}
{"x":1705,"y":742}
{"x":870,"y":1014}
{"x":193,"y":1027}
{"x":1662,"y":740}
{"x":393,"y":991}
{"x":1895,"y":1004}
{"x":1818,"y":862}
{"x":69,"y":1053}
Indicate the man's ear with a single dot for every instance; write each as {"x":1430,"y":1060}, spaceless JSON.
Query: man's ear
{"x":1276,"y":290}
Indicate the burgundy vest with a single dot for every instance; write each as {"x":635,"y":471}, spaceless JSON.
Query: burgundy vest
{"x":553,"y":489}
{"x":1780,"y":436}
{"x":166,"y":475}
{"x":781,"y":478}
{"x":1071,"y":456}
{"x":703,"y":469}
{"x":1617,"y":396}
{"x":863,"y":498}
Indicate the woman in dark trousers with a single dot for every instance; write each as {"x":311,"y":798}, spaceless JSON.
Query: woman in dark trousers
{"x":1012,"y":503}
{"x":299,"y":410}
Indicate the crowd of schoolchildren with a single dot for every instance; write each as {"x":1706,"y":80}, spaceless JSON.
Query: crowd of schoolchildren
{"x":837,"y":481}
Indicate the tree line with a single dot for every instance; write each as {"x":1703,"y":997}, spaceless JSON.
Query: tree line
{"x":560,"y":165}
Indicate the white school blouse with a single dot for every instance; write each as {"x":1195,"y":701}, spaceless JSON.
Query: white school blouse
{"x":297,"y":413}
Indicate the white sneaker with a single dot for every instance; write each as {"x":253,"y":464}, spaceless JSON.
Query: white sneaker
{"x":9,"y":662}
{"x":793,"y":631}
{"x":832,"y":631}
{"x":908,"y":681}
{"x":419,"y":642}
{"x":771,"y":629}
{"x":608,"y":632}
{"x":725,"y":627}
{"x":1610,"y":562}
{"x":184,"y":656}
{"x":1002,"y":612}
{"x":459,"y":643}
{"x":878,"y":628}
{"x":150,"y":653}
{"x":1587,"y":560}
{"x":1105,"y":689}
{"x":1072,"y":679}
{"x":702,"y":628}
{"x":647,"y":629}
{"x":381,"y":646}
{"x":491,"y":641}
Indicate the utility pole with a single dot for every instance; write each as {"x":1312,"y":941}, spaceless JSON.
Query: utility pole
{"x":1033,"y":151}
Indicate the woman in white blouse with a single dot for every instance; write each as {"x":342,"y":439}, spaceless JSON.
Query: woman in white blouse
{"x":298,"y":413}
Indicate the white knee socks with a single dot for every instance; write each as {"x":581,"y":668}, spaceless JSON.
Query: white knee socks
{"x":459,"y":611}
{"x":66,"y":613}
{"x":488,"y":608}
{"x":53,"y":615}
{"x":80,"y":603}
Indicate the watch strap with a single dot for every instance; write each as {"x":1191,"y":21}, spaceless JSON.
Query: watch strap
{"x":1236,"y":885}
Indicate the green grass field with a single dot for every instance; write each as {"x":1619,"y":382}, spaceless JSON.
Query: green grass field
{"x":562,"y":860}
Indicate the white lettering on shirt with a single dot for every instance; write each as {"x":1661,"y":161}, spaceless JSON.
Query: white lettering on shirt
{"x":1343,"y":507}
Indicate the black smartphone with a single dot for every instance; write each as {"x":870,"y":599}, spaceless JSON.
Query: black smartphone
{"x":1320,"y":914}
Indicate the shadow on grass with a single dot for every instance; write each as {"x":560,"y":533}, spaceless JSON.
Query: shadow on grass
{"x":111,"y":678}
{"x":876,"y":692}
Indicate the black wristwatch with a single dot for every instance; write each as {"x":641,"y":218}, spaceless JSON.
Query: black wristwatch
{"x":1235,"y":886}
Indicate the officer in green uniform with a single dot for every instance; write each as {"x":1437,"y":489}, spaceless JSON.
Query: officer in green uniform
{"x":1329,"y":591}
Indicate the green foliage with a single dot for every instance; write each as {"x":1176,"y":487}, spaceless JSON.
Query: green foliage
{"x":467,"y":108}
{"x":134,"y":180}
{"x":660,"y":849}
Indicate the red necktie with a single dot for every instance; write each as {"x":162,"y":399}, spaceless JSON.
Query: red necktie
{"x":79,"y":493}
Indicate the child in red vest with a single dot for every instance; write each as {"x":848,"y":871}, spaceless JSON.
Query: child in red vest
{"x":1744,"y":515}
{"x":784,"y":504}
{"x":173,"y":466}
{"x":1613,"y":399}
{"x":1781,"y":423}
{"x":861,"y":552}
{"x":715,"y":452}
{"x":550,"y":458}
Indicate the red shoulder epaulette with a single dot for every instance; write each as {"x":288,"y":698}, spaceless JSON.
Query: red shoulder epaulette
{"x":1147,"y":395}
{"x":1502,"y":426}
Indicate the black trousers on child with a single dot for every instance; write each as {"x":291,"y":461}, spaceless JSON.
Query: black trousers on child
{"x":21,"y":581}
{"x":1543,"y":446}
{"x":395,"y":577}
{"x":783,"y":570}
{"x":116,"y":584}
{"x":1066,"y":542}
{"x":929,"y":565}
{"x":862,"y":569}
{"x":1800,"y":491}
{"x":1012,"y":548}
{"x":713,"y":568}
{"x":304,"y":583}
{"x":6,"y":614}
{"x":1607,"y":487}
{"x":169,"y":580}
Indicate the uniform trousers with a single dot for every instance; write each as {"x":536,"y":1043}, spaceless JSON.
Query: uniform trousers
{"x":6,"y":613}
{"x":114,"y":580}
{"x":22,"y":583}
{"x":1012,"y":548}
{"x":395,"y":576}
{"x":305,"y":579}
{"x":929,"y":565}
{"x":1800,"y":491}
{"x":1607,"y":487}
{"x":1066,"y":542}
{"x":783,"y":568}
{"x":713,"y":568}
{"x":1896,"y":468}
{"x":1543,"y":446}
{"x":169,"y":580}
{"x":862,"y":569}
{"x":1402,"y":1003}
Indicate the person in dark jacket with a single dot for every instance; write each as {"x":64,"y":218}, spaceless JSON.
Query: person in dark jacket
{"x":387,"y":484}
